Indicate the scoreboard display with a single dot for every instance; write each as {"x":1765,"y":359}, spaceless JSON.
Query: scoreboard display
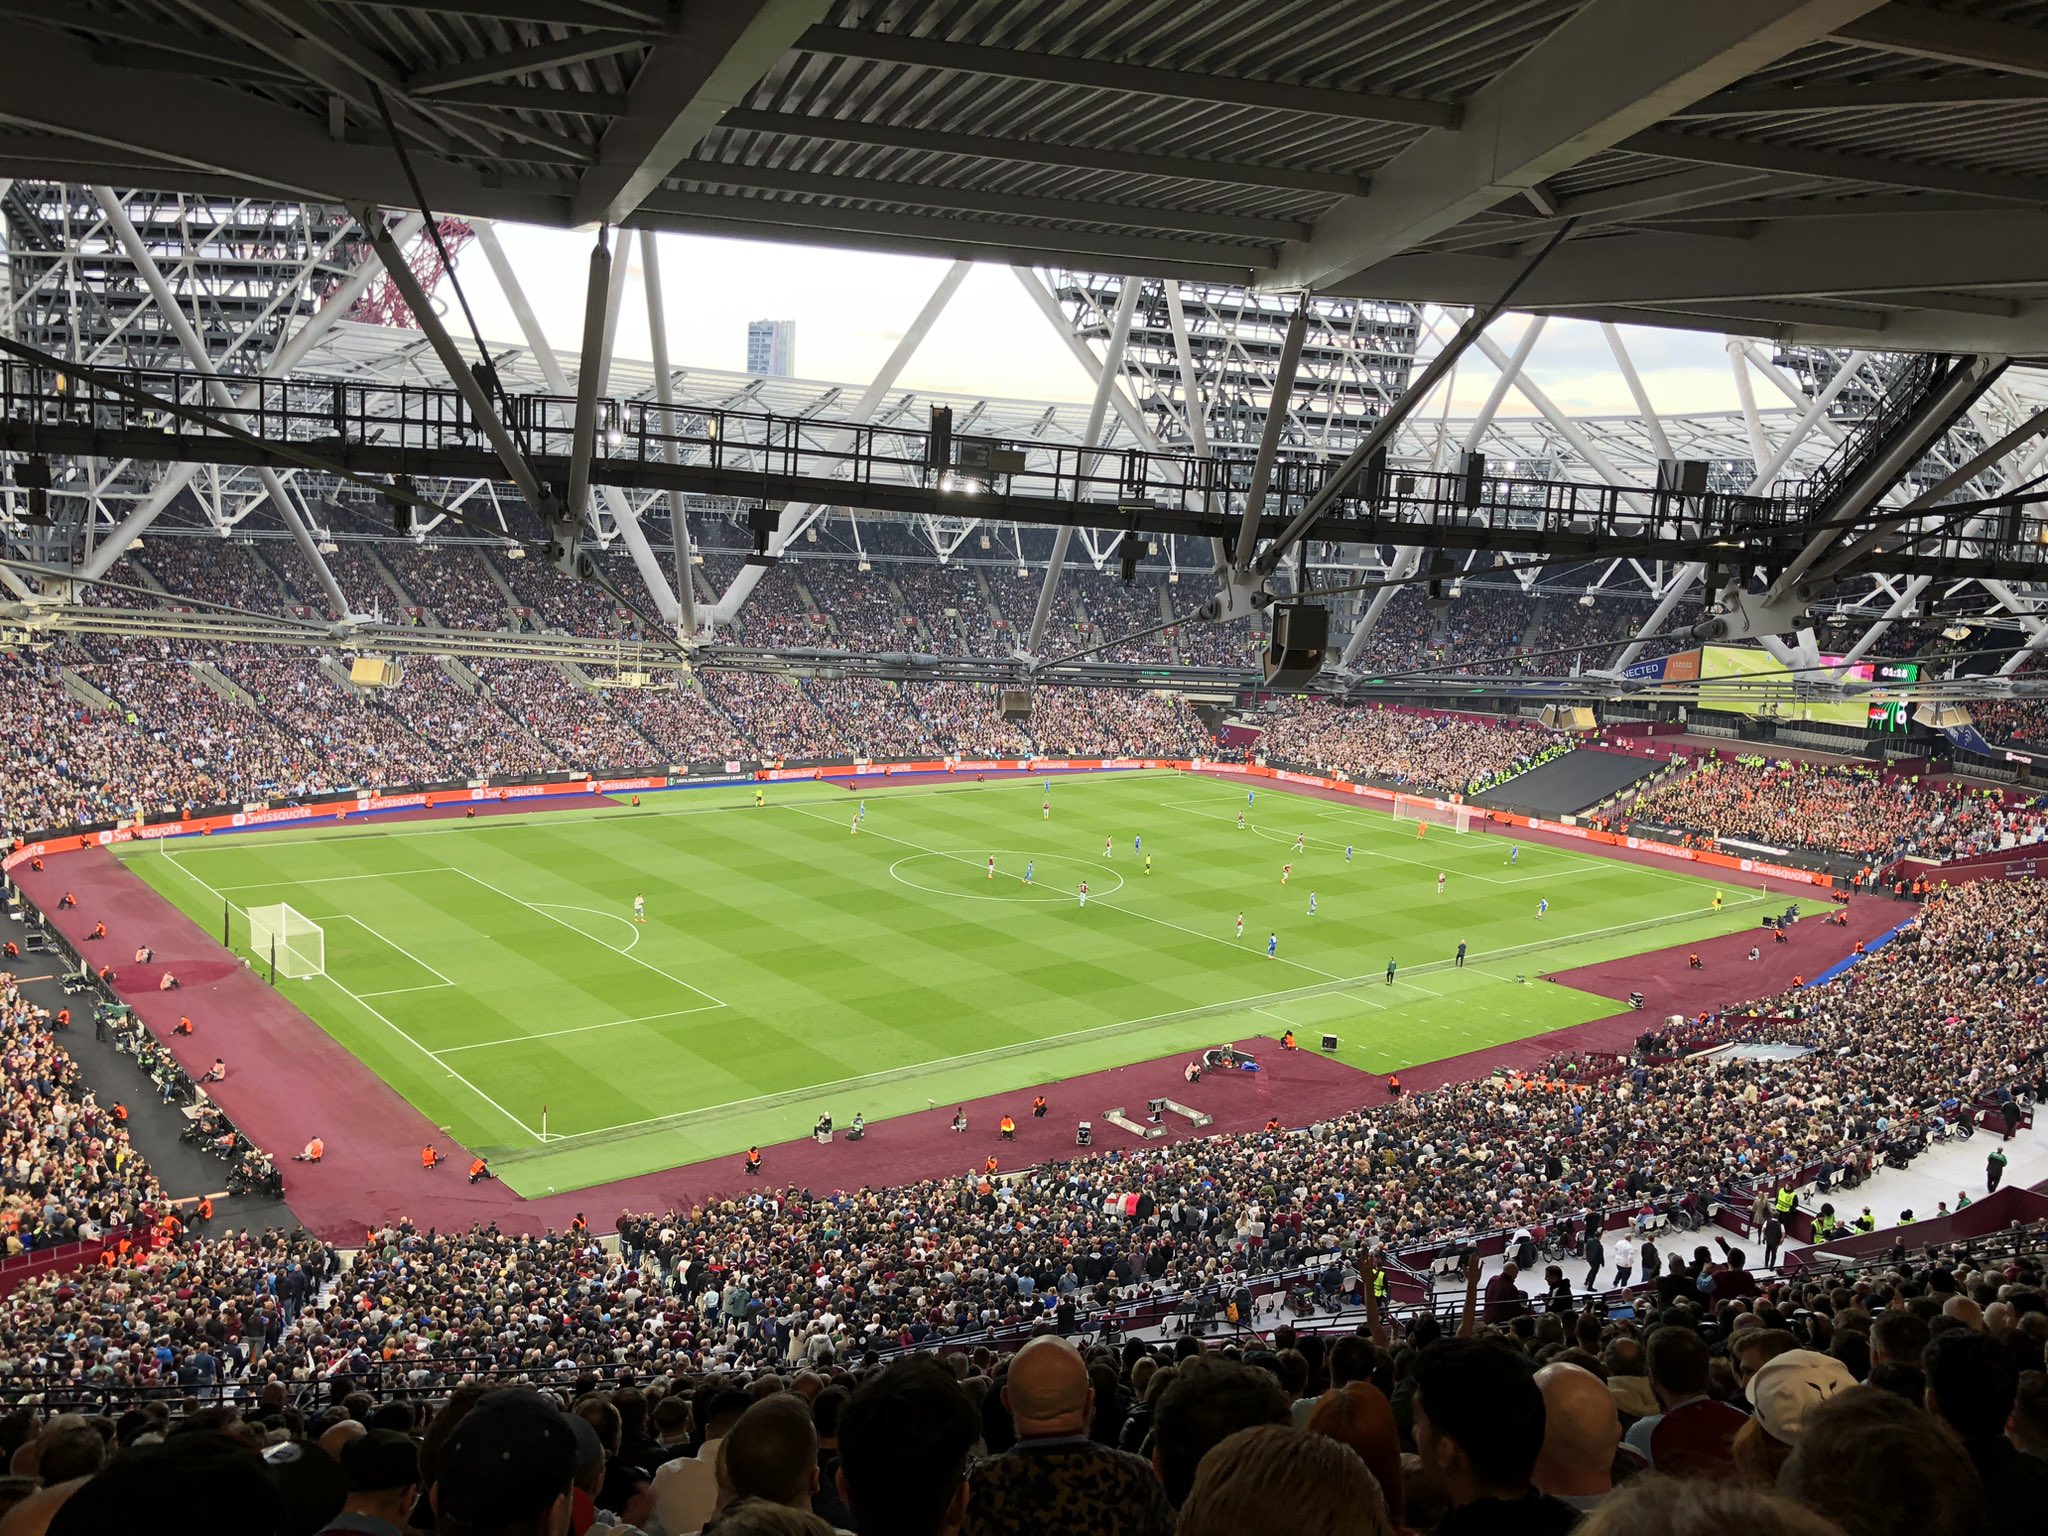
{"x":1892,"y":714}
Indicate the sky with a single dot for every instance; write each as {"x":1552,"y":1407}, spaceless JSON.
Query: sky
{"x":852,"y":307}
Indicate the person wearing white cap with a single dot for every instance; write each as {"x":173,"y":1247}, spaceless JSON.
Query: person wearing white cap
{"x":1787,"y":1387}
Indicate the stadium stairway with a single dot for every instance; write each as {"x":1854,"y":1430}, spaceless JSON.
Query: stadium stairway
{"x":1569,"y":784}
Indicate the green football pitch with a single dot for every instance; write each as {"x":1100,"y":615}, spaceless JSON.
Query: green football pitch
{"x":492,"y":973}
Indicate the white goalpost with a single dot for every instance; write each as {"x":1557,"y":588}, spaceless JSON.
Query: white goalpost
{"x":298,"y":943}
{"x":1438,"y":813}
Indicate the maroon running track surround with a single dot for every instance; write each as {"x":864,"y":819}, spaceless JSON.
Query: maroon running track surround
{"x":289,"y":1080}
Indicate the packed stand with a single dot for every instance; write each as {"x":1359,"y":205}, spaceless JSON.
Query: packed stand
{"x":1833,"y":1390}
{"x":682,"y":723}
{"x":1483,"y":633}
{"x":212,"y":570}
{"x":68,"y":1170}
{"x":782,"y":720}
{"x":451,"y":583}
{"x":1126,"y":608}
{"x":948,"y":598}
{"x":1842,"y":808}
{"x":360,"y":741}
{"x":1442,"y":753}
{"x":470,"y":730}
{"x":1016,"y":605}
{"x":966,"y":721}
{"x":2022,"y":722}
{"x":1573,"y":638}
{"x":774,"y":613}
{"x":552,"y":601}
{"x":573,"y":724}
{"x":873,"y":718}
{"x":1400,"y":640}
{"x":861,"y":611}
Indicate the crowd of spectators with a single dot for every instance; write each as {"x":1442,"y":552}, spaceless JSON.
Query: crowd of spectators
{"x":948,"y":599}
{"x":451,"y":583}
{"x":471,"y":729}
{"x":872,"y":719}
{"x":1120,"y":608}
{"x":67,"y":1168}
{"x":1847,"y":808}
{"x":574,"y":724}
{"x":969,"y":718}
{"x":863,"y":612}
{"x":1739,"y":1395}
{"x":2018,"y":722}
{"x":1450,"y":754}
{"x":355,"y":735}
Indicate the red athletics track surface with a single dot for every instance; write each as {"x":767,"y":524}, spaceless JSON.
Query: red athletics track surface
{"x":288,"y":1080}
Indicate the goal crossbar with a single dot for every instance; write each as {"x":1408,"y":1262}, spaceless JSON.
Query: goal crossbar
{"x":1437,"y":812}
{"x":298,"y":943}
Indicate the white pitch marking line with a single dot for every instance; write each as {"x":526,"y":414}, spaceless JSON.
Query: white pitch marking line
{"x":580,"y":1029}
{"x":1112,"y":906}
{"x":350,"y":917}
{"x":375,"y":1013}
{"x":562,"y":906}
{"x":716,"y":1002}
{"x":380,"y":874}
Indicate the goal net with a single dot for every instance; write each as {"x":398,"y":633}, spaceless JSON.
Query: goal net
{"x":300,"y":944}
{"x":1438,"y":813}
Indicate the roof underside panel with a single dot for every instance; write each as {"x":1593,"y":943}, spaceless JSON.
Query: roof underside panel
{"x":1822,"y":171}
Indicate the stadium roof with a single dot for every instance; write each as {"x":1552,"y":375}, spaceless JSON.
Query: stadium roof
{"x":1845,"y":171}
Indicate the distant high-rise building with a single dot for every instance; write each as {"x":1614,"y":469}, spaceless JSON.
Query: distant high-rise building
{"x":771,"y":347}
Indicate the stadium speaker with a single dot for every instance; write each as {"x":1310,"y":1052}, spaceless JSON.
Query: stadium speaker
{"x":1016,"y":703}
{"x":1294,"y":653}
{"x":1473,"y":468}
{"x":1083,"y":1134}
{"x":1942,"y":717}
{"x":375,"y":672}
{"x":1329,"y":1042}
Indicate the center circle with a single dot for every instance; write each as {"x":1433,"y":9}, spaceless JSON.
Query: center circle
{"x":1056,"y":877}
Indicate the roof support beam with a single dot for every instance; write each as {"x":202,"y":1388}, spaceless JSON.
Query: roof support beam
{"x":178,"y":476}
{"x":1616,"y":68}
{"x":186,"y":128}
{"x":794,"y":514}
{"x":681,"y":91}
{"x":665,"y":392}
{"x":1928,"y":419}
{"x":1834,"y":165}
{"x":1138,"y":79}
{"x":1869,"y":96}
{"x":1921,"y":32}
{"x":223,"y":399}
{"x":947,"y":199}
{"x":591,"y":371}
{"x":1276,"y":425}
{"x":839,"y":130}
{"x":579,"y":49}
{"x":1098,"y":413}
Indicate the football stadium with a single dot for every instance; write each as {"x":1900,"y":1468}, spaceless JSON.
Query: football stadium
{"x":783,"y":767}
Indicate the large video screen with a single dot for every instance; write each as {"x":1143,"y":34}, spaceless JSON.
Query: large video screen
{"x":1730,"y":661}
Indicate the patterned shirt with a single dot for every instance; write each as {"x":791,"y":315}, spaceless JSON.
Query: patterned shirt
{"x":1066,"y":1485}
